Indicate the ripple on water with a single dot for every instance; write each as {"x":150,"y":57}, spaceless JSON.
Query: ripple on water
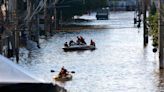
{"x":119,"y":64}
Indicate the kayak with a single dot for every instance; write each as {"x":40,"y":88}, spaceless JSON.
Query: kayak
{"x":79,"y":47}
{"x":67,"y":78}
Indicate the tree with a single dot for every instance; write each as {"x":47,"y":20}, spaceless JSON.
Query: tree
{"x":92,"y":5}
{"x":153,"y":9}
{"x":153,"y":23}
{"x":79,"y":7}
{"x":75,"y":7}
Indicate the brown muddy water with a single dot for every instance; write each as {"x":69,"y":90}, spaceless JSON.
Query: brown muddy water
{"x":119,"y":64}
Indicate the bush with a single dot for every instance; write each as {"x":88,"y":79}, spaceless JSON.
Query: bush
{"x":153,"y":23}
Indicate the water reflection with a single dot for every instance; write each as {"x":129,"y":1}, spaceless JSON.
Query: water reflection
{"x":119,"y":64}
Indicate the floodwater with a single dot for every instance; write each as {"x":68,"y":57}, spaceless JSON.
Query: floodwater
{"x":119,"y":64}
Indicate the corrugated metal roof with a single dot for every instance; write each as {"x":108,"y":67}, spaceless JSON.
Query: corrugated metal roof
{"x":12,"y":73}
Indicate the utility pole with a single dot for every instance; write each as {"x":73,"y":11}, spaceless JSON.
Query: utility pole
{"x":29,"y":22}
{"x":16,"y":32}
{"x":145,"y":33}
{"x":56,"y":15}
{"x":37,"y":32}
{"x":161,"y":33}
{"x":55,"y":20}
{"x":45,"y":19}
{"x":61,"y":18}
{"x":37,"y":26}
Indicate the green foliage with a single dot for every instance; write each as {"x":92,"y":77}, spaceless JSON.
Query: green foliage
{"x":94,"y":4}
{"x":153,"y":9}
{"x":75,"y":8}
{"x":79,"y":7}
{"x":153,"y":22}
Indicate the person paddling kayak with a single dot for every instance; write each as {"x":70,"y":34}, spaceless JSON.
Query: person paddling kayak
{"x":63,"y":72}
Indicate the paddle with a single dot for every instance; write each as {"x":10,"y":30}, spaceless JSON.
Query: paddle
{"x":52,"y":71}
{"x":68,"y":71}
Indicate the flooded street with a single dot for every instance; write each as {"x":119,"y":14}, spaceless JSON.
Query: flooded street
{"x":119,"y":64}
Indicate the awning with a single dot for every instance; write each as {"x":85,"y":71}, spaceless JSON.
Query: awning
{"x":12,"y":73}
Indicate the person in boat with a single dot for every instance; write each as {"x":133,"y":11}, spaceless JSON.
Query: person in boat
{"x":78,"y":41}
{"x":63,"y":72}
{"x":92,"y":43}
{"x":82,"y":40}
{"x":66,"y":44}
{"x":71,"y":43}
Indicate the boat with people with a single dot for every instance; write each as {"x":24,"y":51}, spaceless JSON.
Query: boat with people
{"x":79,"y":47}
{"x":63,"y":75}
{"x":65,"y":78}
{"x":13,"y":78}
{"x":80,"y":44}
